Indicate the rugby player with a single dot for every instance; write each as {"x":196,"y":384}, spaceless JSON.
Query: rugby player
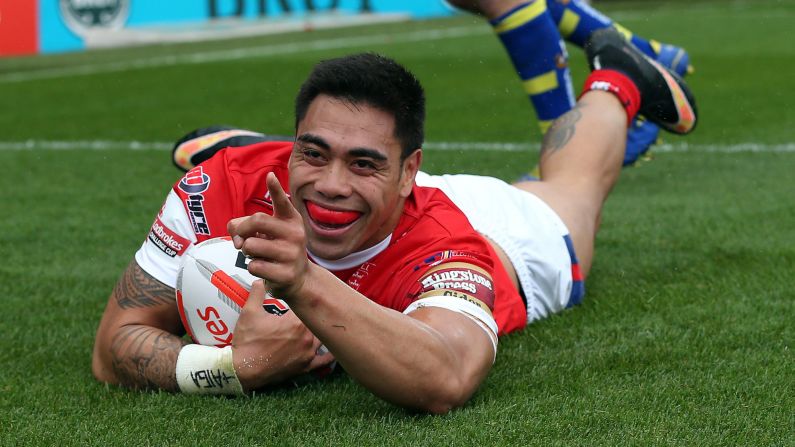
{"x":390,"y":275}
{"x":532,"y":33}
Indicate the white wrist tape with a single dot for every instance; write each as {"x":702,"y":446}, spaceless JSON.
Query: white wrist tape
{"x":207,"y":370}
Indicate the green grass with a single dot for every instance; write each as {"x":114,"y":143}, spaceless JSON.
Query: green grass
{"x":685,"y":337}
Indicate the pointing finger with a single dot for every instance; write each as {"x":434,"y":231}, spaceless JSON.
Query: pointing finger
{"x":282,"y":207}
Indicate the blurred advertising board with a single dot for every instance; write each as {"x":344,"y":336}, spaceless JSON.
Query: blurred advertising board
{"x":48,"y":26}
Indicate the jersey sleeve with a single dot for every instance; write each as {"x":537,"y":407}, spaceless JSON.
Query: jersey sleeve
{"x":169,"y":237}
{"x":229,"y":184}
{"x":459,"y":282}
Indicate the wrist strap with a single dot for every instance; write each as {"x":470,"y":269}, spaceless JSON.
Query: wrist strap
{"x":207,"y":370}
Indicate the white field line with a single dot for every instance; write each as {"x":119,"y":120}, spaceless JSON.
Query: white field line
{"x":245,"y":53}
{"x":112,"y":145}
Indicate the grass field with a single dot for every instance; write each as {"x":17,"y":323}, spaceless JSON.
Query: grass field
{"x":686,"y":333}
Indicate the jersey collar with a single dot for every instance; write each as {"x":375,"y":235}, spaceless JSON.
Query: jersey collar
{"x":353,"y":259}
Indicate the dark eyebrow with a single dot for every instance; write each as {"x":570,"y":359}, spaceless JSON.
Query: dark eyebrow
{"x":368,"y":153}
{"x":314,"y":139}
{"x":355,"y":152}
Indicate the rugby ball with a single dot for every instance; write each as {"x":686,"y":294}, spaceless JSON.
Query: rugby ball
{"x":213,"y":284}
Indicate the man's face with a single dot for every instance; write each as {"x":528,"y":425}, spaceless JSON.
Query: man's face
{"x":346,"y":178}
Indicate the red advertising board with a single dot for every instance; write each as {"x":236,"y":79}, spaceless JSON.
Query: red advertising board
{"x":18,"y":27}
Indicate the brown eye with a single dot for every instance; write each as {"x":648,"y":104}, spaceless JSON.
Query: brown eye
{"x":364,"y":164}
{"x":313,"y":156}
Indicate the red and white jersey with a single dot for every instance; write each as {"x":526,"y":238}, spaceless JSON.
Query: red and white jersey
{"x":433,"y":257}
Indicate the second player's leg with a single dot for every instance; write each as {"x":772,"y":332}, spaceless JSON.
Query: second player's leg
{"x":530,"y":37}
{"x":582,"y":152}
{"x":580,"y":162}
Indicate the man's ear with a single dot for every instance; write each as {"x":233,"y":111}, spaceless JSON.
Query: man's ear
{"x":408,"y":171}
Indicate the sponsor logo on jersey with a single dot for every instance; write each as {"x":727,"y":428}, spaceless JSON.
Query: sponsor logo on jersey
{"x":442,"y":256}
{"x":194,"y":183}
{"x":456,"y":294}
{"x":462,"y":280}
{"x":198,"y":218}
{"x":165,"y":239}
{"x":456,"y":279}
{"x":467,"y":298}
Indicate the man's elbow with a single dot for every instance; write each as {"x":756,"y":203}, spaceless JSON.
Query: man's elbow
{"x":440,"y":407}
{"x":448,"y":396}
{"x":101,"y":369}
{"x":100,"y":374}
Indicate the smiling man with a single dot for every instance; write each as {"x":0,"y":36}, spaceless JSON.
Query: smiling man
{"x":391,"y":276}
{"x":375,"y":266}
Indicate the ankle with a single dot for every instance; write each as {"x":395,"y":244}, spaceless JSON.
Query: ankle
{"x":617,"y":84}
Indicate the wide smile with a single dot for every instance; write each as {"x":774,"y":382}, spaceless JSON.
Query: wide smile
{"x":330,"y":222}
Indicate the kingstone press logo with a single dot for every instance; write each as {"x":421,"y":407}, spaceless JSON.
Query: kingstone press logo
{"x":85,"y":16}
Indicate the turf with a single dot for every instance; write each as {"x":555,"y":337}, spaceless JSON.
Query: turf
{"x":685,"y":337}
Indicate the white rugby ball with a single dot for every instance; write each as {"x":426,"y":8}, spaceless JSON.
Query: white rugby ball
{"x":213,"y":284}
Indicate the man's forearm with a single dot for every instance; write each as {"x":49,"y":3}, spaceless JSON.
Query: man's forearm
{"x":144,"y":357}
{"x":137,"y":343}
{"x":399,"y":358}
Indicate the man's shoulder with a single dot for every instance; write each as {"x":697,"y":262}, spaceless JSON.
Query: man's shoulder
{"x":252,"y":158}
{"x":236,"y":170}
{"x":436,"y":214}
{"x":230,"y":184}
{"x":432,"y":225}
{"x":433,"y":237}
{"x":238,"y":165}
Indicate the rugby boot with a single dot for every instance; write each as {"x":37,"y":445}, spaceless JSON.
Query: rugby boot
{"x":642,"y":134}
{"x":665,"y":98}
{"x":203,"y":143}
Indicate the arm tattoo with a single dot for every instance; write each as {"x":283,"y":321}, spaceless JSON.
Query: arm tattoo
{"x":561,"y":130}
{"x":136,"y":288}
{"x":146,"y":358}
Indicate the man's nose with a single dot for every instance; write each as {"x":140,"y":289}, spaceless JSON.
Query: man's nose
{"x":334,"y":181}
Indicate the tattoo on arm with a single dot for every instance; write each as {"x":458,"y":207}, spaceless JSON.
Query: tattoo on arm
{"x":137,"y":288}
{"x":562,"y":130}
{"x":145,"y":357}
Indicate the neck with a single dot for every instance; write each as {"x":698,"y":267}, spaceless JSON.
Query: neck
{"x":353,"y":259}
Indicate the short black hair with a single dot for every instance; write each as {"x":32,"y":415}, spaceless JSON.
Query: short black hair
{"x":377,"y":81}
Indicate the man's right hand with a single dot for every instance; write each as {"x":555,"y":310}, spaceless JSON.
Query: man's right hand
{"x":268,"y":348}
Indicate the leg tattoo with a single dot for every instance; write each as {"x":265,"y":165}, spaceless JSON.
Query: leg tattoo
{"x":562,"y":130}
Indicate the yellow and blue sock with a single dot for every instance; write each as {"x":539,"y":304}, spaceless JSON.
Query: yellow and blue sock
{"x":576,"y":20}
{"x":538,"y":53}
